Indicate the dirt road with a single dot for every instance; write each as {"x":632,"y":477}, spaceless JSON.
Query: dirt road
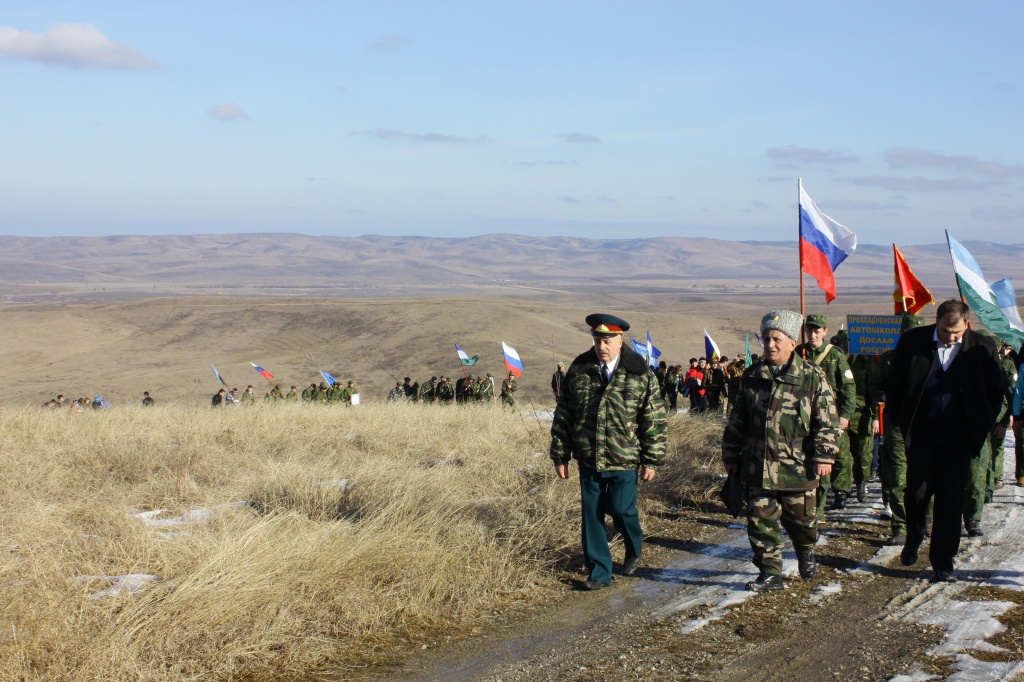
{"x":686,"y":616}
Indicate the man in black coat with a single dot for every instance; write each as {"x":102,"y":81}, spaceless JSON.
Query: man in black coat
{"x":944,"y":392}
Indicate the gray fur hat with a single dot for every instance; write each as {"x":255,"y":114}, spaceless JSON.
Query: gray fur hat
{"x":786,"y":321}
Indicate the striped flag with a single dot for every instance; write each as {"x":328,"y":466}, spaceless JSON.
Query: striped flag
{"x":981,"y":297}
{"x":266,"y":375}
{"x":219,"y":377}
{"x":824,"y":244}
{"x":512,"y":362}
{"x":710,"y":347}
{"x":465,"y":359}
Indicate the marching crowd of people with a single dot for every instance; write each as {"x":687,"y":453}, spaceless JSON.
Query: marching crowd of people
{"x":466,"y":390}
{"x":807,"y":426}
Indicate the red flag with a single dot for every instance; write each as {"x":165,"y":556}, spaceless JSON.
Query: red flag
{"x":909,"y":295}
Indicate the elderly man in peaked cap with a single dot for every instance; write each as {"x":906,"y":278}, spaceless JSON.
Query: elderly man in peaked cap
{"x":782,"y":436}
{"x":611,"y":419}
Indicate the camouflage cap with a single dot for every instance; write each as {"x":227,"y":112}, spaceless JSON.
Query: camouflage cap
{"x":786,"y":321}
{"x":817,"y":320}
{"x":910,"y":321}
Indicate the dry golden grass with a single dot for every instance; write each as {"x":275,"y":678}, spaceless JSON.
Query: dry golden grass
{"x":363,"y":530}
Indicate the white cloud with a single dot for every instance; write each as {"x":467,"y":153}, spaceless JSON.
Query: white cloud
{"x":999,"y":214}
{"x":391,"y":134}
{"x":389,"y":43}
{"x":910,"y":157}
{"x":809,"y":155}
{"x":228,"y":112}
{"x":579,"y":138}
{"x":74,"y":45}
{"x":919,"y":184}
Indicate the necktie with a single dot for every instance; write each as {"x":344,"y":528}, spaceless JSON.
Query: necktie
{"x":606,"y":374}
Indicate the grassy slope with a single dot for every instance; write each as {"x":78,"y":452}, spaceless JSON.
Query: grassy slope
{"x":447,"y":515}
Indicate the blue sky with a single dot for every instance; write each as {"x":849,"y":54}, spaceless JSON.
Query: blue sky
{"x":442,"y":118}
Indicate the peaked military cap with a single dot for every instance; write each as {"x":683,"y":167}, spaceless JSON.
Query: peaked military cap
{"x":817,"y":320}
{"x":602,"y":324}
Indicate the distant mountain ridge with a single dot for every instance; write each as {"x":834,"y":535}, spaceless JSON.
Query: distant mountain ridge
{"x":298,"y":264}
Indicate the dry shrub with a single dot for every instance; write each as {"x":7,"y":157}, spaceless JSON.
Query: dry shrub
{"x":327,"y":537}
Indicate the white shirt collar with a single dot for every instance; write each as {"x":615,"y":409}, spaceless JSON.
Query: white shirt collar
{"x":612,"y":364}
{"x":947,"y":352}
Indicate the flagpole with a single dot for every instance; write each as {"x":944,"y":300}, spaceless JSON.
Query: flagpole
{"x":953,"y":263}
{"x":800,"y":247}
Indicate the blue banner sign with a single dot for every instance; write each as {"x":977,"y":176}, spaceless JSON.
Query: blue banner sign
{"x":873,"y":334}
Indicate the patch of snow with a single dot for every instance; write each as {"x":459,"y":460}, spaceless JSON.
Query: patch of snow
{"x":122,"y":584}
{"x":822,"y":591}
{"x":339,"y":483}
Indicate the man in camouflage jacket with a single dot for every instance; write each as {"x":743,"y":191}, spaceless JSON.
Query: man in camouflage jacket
{"x":834,"y":364}
{"x":782,"y":436}
{"x":611,"y":419}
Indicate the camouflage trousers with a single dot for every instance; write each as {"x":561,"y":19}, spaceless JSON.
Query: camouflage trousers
{"x":508,"y":400}
{"x":893,"y":465}
{"x":842,"y":473}
{"x":768,"y":512}
{"x":974,"y":497}
{"x":996,"y":461}
{"x":861,"y":446}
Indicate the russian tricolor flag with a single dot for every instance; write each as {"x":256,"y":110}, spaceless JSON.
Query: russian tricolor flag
{"x":512,"y":362}
{"x":266,"y":375}
{"x":824,"y":244}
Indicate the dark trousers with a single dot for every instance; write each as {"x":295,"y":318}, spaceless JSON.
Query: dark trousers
{"x":941,"y":471}
{"x":611,"y":493}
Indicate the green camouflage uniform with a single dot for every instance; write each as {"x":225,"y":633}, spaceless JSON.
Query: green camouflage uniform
{"x":861,"y":439}
{"x":321,"y":394}
{"x":508,"y":388}
{"x":612,"y":430}
{"x":999,"y":449}
{"x":309,"y":394}
{"x":988,"y":467}
{"x":445,"y":391}
{"x":832,"y":362}
{"x":781,"y":425}
{"x":892,"y":465}
{"x":486,"y":390}
{"x":427,"y":391}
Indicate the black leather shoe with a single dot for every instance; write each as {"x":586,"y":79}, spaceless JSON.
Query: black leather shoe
{"x":630,"y":565}
{"x":592,"y":584}
{"x":974,"y":529}
{"x":897,"y":540}
{"x":944,"y":577}
{"x":839,"y":502}
{"x":766,"y":583}
{"x":908,"y":557}
{"x":862,"y":492}
{"x":808,"y":564}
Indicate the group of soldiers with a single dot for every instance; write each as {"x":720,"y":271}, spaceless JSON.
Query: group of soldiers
{"x":336,"y":393}
{"x":858,"y":386}
{"x":79,"y":405}
{"x":465,"y":390}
